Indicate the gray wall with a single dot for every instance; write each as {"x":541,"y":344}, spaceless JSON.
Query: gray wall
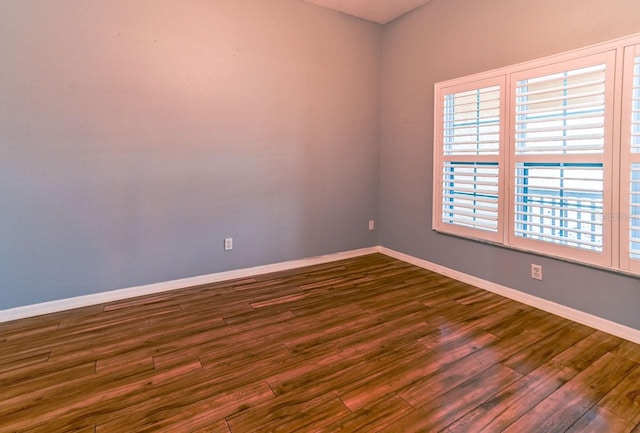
{"x":136,"y":135}
{"x":451,"y":38}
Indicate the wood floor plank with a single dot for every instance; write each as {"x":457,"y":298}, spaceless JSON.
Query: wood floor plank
{"x":132,"y":360}
{"x":44,"y":429}
{"x":112,"y":343}
{"x":332,"y":376}
{"x":20,"y":361}
{"x":436,"y":414}
{"x":199,"y":397}
{"x":564,"y":407}
{"x":218,"y":427}
{"x":365,"y":344}
{"x":587,"y":351}
{"x":288,"y":414}
{"x":18,"y":331}
{"x":372,"y":418}
{"x":45,"y":379}
{"x":390,"y":334}
{"x":68,"y":403}
{"x":599,"y":419}
{"x":624,"y":399}
{"x":505,"y":407}
{"x":456,"y":342}
{"x":531,"y":320}
{"x":387,"y":378}
{"x":491,"y":316}
{"x":197,"y":415}
{"x":533,"y":356}
{"x":628,"y":350}
{"x":451,"y":375}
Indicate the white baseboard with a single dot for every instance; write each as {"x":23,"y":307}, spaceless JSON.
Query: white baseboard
{"x":132,"y":292}
{"x":587,"y":319}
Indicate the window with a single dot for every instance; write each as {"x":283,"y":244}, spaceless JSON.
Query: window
{"x":545,"y":156}
{"x":470,"y":170}
{"x":560,"y":163}
{"x":629,"y":214}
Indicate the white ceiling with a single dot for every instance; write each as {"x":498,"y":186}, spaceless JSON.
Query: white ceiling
{"x":379,"y":11}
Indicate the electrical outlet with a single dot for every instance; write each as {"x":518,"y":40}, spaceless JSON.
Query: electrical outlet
{"x":372,"y":224}
{"x":228,"y":244}
{"x":536,"y":272}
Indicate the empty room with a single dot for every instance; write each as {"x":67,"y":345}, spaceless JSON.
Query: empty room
{"x":241,"y":216}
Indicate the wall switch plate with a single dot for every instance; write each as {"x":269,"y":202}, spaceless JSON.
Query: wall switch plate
{"x":228,"y":244}
{"x":372,"y":224}
{"x":536,"y":272}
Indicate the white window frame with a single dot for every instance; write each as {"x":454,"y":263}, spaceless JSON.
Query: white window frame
{"x":618,"y":55}
{"x":442,"y":159}
{"x":627,"y":158}
{"x":603,"y":258}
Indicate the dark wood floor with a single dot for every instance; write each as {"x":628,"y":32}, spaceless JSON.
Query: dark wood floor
{"x":367,"y":344}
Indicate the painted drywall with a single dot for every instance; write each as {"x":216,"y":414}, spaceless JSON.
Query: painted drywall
{"x":136,"y":135}
{"x":446,"y":39}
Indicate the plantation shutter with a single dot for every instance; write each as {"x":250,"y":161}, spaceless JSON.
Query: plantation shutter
{"x":630,"y":188}
{"x":469,"y":140}
{"x":560,"y":162}
{"x":561,"y":113}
